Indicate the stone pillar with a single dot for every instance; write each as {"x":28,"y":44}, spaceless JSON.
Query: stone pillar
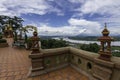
{"x":102,"y":70}
{"x":109,"y":47}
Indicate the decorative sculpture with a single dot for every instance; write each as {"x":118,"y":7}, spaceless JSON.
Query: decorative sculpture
{"x":37,"y":58}
{"x":35,"y":43}
{"x":105,"y":49}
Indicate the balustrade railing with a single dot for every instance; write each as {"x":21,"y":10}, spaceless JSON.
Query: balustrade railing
{"x":83,"y":61}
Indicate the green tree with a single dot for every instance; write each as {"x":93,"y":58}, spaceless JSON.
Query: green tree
{"x":14,"y":22}
{"x":92,"y":47}
{"x":3,"y":21}
{"x":52,"y":43}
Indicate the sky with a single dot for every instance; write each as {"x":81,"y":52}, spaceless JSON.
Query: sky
{"x":66,"y":17}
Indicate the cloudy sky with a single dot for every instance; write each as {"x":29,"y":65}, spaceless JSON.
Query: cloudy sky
{"x":66,"y":17}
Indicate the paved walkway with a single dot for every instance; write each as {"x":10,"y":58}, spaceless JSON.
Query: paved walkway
{"x":14,"y":65}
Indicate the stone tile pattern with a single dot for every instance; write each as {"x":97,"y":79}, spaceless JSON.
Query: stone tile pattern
{"x":15,"y":64}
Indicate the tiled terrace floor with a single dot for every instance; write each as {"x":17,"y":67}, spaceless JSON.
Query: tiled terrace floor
{"x":14,"y":65}
{"x":67,"y":73}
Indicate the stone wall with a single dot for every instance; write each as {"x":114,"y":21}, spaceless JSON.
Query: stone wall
{"x":83,"y":61}
{"x":2,"y":45}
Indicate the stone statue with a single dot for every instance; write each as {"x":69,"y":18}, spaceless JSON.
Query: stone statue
{"x":36,"y":46}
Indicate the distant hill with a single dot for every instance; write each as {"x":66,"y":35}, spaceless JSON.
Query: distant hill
{"x":92,"y":38}
{"x":116,"y":38}
{"x":87,"y":38}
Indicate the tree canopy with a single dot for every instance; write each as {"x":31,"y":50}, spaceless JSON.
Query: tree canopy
{"x":52,"y":43}
{"x":92,"y":47}
{"x":15,"y":22}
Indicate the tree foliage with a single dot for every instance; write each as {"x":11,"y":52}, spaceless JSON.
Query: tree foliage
{"x":15,"y":22}
{"x":52,"y":43}
{"x":117,"y":54}
{"x":92,"y":47}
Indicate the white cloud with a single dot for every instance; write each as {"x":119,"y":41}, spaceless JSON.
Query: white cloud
{"x":75,"y":27}
{"x":94,"y":5}
{"x":76,"y":1}
{"x":61,"y":31}
{"x":111,"y":7}
{"x":18,"y":7}
{"x":91,"y":27}
{"x":84,"y":22}
{"x":114,"y":30}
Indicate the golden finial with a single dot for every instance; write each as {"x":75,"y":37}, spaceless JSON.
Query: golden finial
{"x":105,"y":32}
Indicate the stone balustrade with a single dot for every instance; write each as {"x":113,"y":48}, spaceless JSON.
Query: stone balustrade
{"x":2,"y":45}
{"x":83,"y":61}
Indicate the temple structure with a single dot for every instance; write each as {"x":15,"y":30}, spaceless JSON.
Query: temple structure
{"x":105,"y":49}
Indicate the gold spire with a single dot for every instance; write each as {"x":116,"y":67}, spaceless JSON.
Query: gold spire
{"x":105,"y":32}
{"x":105,"y":26}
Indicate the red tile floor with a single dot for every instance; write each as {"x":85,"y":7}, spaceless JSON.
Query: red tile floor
{"x":67,"y":73}
{"x":15,"y":64}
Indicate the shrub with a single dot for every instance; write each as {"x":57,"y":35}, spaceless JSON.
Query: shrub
{"x":117,"y":54}
{"x":52,"y":43}
{"x":3,"y":41}
{"x":92,"y":47}
{"x":48,"y":43}
{"x":0,"y":35}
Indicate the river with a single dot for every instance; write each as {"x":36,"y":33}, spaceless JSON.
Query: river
{"x":114,"y":43}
